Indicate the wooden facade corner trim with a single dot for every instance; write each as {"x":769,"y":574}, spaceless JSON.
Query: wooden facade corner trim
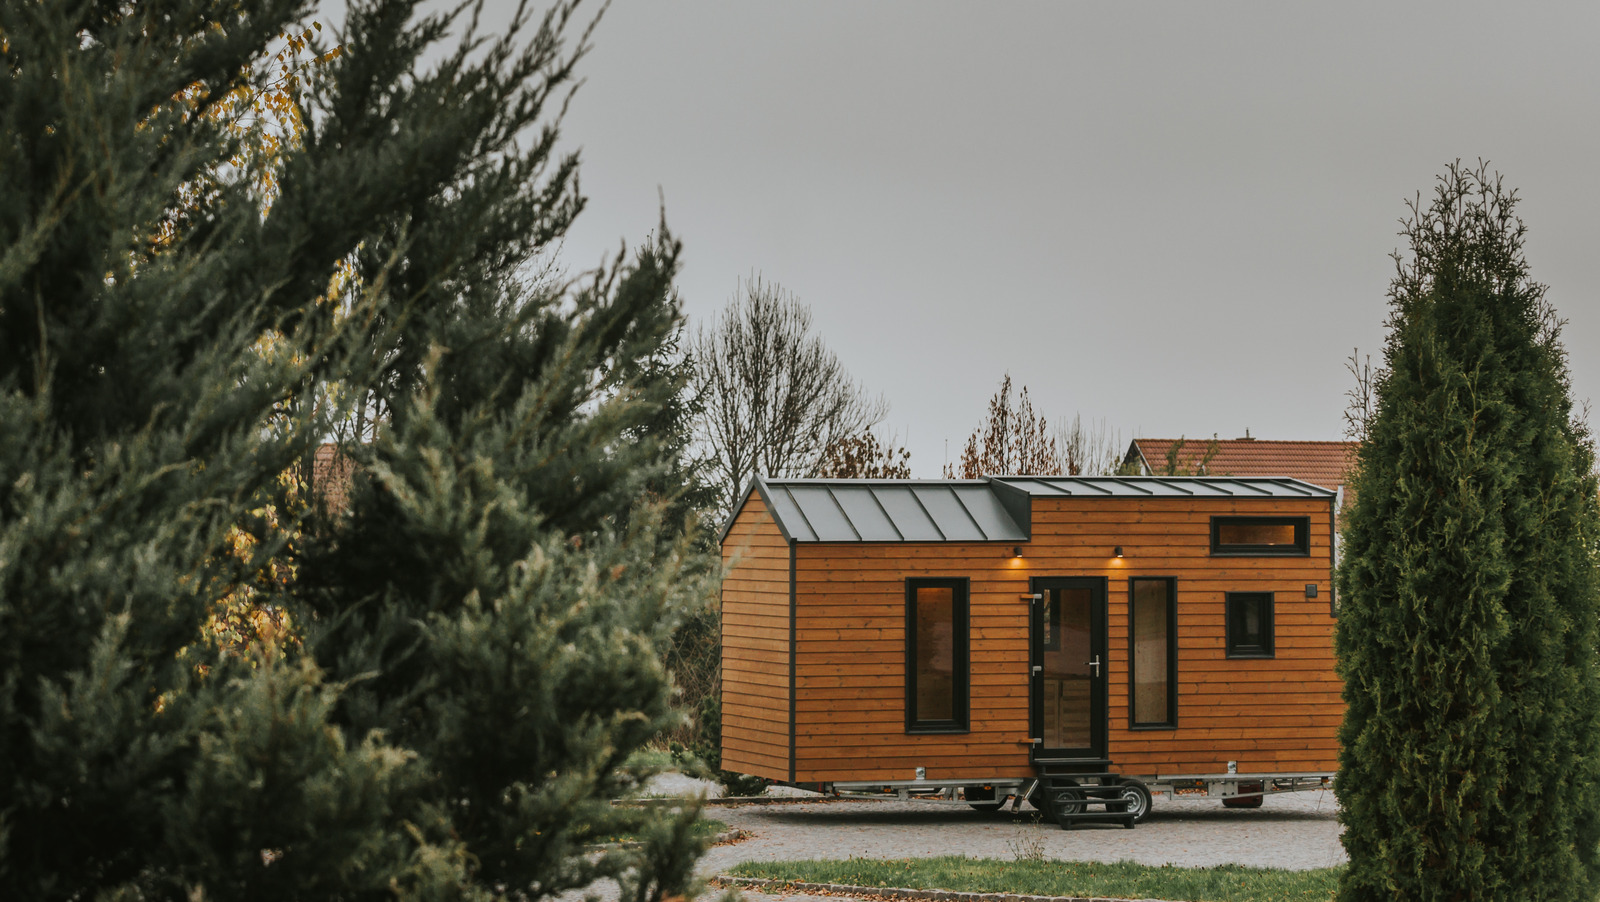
{"x":794,"y":644}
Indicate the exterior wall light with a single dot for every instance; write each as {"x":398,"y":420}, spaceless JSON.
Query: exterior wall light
{"x":1117,"y":551}
{"x":1016,"y":551}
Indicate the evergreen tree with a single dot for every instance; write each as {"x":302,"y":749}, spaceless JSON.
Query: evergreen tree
{"x":1469,"y":592}
{"x":484,"y":625}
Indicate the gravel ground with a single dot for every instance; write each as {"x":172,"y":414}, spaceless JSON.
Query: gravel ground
{"x":682,"y":787}
{"x":1293,"y":830}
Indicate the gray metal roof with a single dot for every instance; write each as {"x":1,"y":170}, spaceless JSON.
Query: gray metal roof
{"x":1166,"y":486}
{"x":893,"y":510}
{"x":996,"y":509}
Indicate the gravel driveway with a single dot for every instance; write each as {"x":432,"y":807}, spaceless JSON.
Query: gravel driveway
{"x":1294,"y":830}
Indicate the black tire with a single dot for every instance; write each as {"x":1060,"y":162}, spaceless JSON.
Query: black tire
{"x":1066,"y":803}
{"x":1253,"y":801}
{"x":982,"y":798}
{"x":1135,"y":801}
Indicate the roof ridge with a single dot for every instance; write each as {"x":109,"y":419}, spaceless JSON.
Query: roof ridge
{"x":1258,"y":441}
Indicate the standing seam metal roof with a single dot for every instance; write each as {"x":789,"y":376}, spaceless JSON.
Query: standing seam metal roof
{"x":997,"y":509}
{"x":818,"y":510}
{"x":1167,"y":486}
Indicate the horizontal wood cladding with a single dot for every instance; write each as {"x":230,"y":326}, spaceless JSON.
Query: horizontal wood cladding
{"x":755,"y":645}
{"x":1276,"y":714}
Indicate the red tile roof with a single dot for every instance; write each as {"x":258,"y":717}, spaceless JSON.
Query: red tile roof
{"x":1319,"y":463}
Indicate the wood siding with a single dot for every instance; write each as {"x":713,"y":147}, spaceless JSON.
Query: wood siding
{"x":755,"y":645}
{"x":1269,"y":715}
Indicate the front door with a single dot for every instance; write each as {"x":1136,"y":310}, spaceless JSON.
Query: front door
{"x":1069,"y":667}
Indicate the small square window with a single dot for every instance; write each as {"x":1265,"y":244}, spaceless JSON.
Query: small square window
{"x":1261,"y":536}
{"x":1249,"y":624}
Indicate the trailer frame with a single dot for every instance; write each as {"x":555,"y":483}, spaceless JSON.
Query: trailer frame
{"x":1015,"y":790}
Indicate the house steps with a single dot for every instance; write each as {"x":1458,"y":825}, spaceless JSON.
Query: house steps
{"x":1078,"y":792}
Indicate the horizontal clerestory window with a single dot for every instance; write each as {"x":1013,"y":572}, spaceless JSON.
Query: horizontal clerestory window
{"x":1261,"y":536}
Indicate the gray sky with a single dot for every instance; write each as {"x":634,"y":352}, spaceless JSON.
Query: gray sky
{"x":1175,"y":217}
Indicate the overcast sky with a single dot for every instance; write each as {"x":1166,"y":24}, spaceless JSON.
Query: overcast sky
{"x":1177,"y":217}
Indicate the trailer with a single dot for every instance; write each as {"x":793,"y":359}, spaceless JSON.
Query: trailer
{"x":1082,"y":643}
{"x":1126,"y":799}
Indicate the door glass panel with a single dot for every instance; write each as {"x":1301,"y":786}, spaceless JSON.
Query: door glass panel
{"x":1065,"y":653}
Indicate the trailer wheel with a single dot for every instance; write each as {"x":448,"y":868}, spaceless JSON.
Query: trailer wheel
{"x":1246,"y":801}
{"x":982,"y":798}
{"x":1069,"y":804}
{"x":1135,"y":801}
{"x":1063,"y":803}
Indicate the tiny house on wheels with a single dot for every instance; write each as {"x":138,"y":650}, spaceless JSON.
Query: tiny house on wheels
{"x":1076,"y":642}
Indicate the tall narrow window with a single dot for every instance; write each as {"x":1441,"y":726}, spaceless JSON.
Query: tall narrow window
{"x":1249,"y":624}
{"x":1153,"y":641}
{"x":936,"y":655}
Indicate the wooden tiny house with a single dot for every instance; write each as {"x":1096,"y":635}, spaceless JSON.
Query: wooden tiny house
{"x":982,"y":632}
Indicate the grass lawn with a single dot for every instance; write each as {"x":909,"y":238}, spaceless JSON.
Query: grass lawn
{"x":1124,"y":879}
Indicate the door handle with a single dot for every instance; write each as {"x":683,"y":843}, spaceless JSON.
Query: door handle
{"x":1038,"y":669}
{"x":1095,"y":664}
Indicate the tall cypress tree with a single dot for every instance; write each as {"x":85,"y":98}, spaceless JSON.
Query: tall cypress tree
{"x":1469,"y":589}
{"x":482,"y":626}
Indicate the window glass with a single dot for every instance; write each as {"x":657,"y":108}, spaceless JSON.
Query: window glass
{"x":935,"y":645}
{"x":1255,"y":533}
{"x":1264,"y":536}
{"x":1152,"y":638}
{"x":936,"y":655}
{"x":1249,"y":624}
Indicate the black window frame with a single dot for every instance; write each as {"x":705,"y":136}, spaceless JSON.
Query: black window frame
{"x":1171,"y":723}
{"x":1268,"y":626}
{"x":1300,"y":548}
{"x":961,"y":654}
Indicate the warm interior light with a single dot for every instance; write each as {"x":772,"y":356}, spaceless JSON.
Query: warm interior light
{"x":1119,"y":551}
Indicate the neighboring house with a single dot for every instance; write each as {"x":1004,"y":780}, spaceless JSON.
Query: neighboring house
{"x":331,"y":474}
{"x":1326,"y":464}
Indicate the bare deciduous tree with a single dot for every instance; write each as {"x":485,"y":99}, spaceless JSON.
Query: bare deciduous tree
{"x":1363,"y":399}
{"x":1011,"y":441}
{"x":774,"y":397}
{"x":864,"y":457}
{"x":1094,"y":449}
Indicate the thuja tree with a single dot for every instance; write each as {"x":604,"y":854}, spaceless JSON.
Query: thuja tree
{"x":1469,"y":595}
{"x":482,"y":628}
